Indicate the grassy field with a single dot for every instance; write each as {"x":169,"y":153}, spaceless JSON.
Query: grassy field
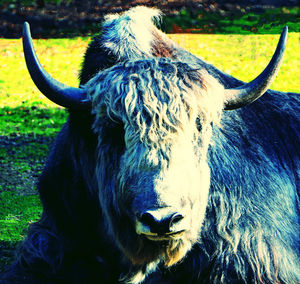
{"x":243,"y":56}
{"x":29,"y":122}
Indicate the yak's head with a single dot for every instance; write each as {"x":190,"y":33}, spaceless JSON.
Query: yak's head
{"x":153,"y":122}
{"x":153,"y":119}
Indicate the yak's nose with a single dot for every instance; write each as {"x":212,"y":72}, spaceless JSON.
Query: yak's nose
{"x":160,"y":221}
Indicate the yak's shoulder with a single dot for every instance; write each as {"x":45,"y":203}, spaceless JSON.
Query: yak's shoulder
{"x":259,"y":144}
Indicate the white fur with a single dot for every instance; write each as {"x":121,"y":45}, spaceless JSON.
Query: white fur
{"x":129,"y":35}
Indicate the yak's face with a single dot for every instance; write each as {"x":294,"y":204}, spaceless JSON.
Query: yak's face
{"x":153,"y":120}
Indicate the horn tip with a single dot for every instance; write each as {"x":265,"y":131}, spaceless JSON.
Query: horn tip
{"x":284,"y":31}
{"x":26,"y":25}
{"x":26,"y":28}
{"x":283,"y":37}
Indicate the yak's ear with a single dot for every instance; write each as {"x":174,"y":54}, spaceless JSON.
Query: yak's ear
{"x":61,"y":94}
{"x":248,"y":93}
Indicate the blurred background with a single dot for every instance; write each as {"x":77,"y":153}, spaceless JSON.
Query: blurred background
{"x":67,"y":18}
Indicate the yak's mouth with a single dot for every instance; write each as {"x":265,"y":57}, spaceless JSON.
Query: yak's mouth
{"x":168,"y":248}
{"x":163,"y":237}
{"x":165,"y":242}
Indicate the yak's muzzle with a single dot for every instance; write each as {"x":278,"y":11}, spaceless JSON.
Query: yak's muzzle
{"x":161,"y":224}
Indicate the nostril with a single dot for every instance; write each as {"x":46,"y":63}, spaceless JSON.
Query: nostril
{"x":147,"y":219}
{"x":175,"y":218}
{"x":160,"y":220}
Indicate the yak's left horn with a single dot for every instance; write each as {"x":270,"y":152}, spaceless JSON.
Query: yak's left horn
{"x":61,"y":94}
{"x":247,"y":93}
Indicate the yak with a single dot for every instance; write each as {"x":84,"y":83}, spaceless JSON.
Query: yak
{"x":167,"y":170}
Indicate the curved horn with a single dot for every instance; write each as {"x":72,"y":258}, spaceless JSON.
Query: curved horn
{"x":247,"y":93}
{"x":61,"y":94}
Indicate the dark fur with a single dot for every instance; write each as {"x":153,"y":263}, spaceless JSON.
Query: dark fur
{"x":255,"y":165}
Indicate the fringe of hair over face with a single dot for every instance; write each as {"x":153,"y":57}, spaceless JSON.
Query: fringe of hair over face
{"x":165,"y":110}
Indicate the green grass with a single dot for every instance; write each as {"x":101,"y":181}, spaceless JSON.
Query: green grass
{"x":22,"y":120}
{"x":17,"y":212}
{"x":245,"y":56}
{"x":61,"y":58}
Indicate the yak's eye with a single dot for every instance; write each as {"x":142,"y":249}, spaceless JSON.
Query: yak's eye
{"x":113,"y":133}
{"x":117,"y":133}
{"x":117,"y":130}
{"x":198,"y":124}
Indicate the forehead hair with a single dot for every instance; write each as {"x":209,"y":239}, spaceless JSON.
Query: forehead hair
{"x":156,"y":97}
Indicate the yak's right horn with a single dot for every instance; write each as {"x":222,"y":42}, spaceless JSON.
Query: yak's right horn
{"x":61,"y":94}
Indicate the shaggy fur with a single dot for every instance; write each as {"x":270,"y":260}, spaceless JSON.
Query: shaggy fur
{"x":160,"y":126}
{"x":157,"y":135}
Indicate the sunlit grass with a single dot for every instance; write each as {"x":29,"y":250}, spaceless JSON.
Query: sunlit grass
{"x":60,"y":57}
{"x":242,"y":56}
{"x":245,"y":56}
